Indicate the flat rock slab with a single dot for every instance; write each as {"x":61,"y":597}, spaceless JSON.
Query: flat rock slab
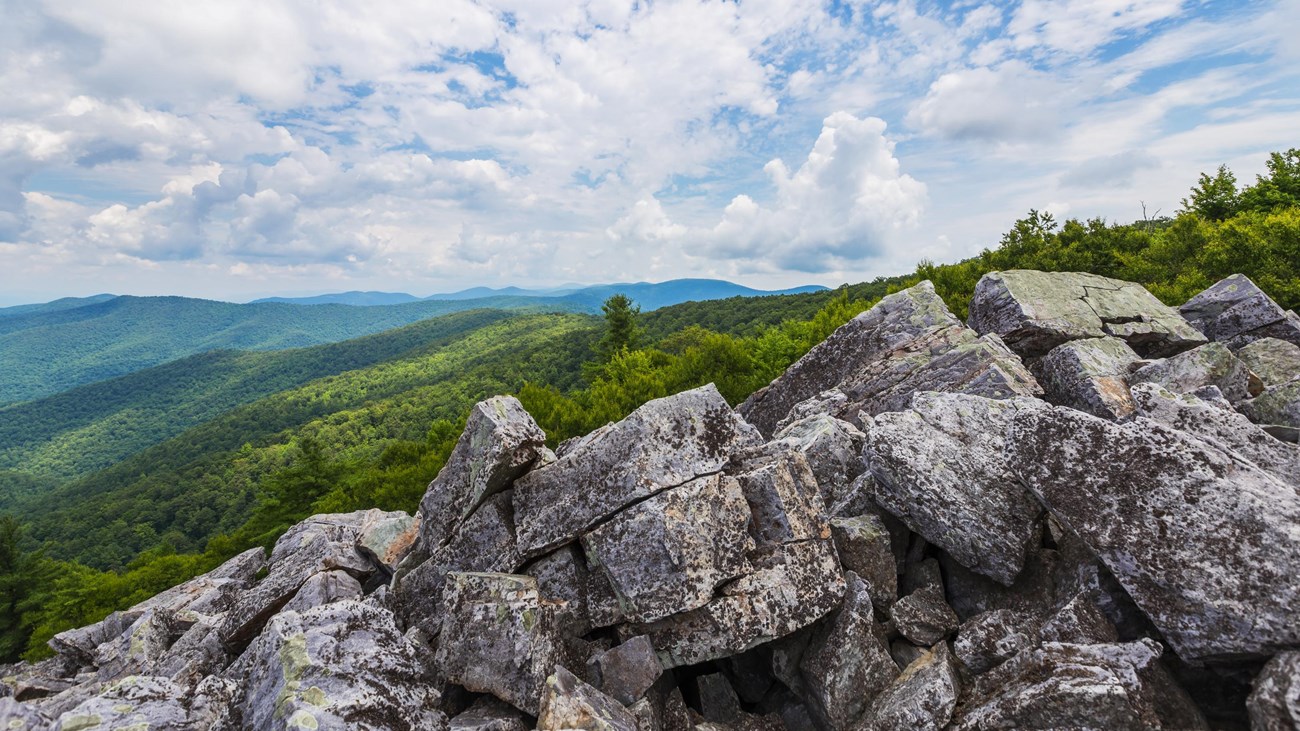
{"x":1211,"y":364}
{"x":499,"y":637}
{"x":139,"y":702}
{"x":1274,"y":361}
{"x":666,"y":554}
{"x":1036,"y":311}
{"x":1235,"y":312}
{"x":665,"y":443}
{"x":500,"y":442}
{"x":782,"y":493}
{"x":342,"y":665}
{"x":1089,"y":375}
{"x":940,"y":468}
{"x":1205,"y":543}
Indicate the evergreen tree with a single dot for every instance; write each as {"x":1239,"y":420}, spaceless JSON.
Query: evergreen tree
{"x":18,"y":577}
{"x":621,"y":330}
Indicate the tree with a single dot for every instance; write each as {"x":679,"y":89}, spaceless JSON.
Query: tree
{"x":18,"y":578}
{"x":1280,"y":188}
{"x":621,"y":330}
{"x":1214,"y":198}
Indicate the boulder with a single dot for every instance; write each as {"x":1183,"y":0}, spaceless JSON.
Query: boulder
{"x":847,"y":661}
{"x":1211,"y":364}
{"x":990,"y":639}
{"x":627,"y":671}
{"x":140,"y":702}
{"x":17,"y":716}
{"x":489,"y":714}
{"x":196,"y":654}
{"x":940,"y":468}
{"x":562,"y":576}
{"x":1089,"y":375}
{"x":1036,"y":311}
{"x":1203,"y":541}
{"x":665,"y":443}
{"x":500,"y":443}
{"x":1080,"y":621}
{"x":863,"y":545}
{"x":499,"y":636}
{"x":1226,"y":430}
{"x":830,"y":401}
{"x":834,"y":451}
{"x":1274,"y":702}
{"x":923,"y":617}
{"x":1235,"y":312}
{"x":1279,"y":405}
{"x":718,"y":700}
{"x":922,"y":697}
{"x":343,"y":665}
{"x":666,"y":554}
{"x":572,"y":705}
{"x":907,"y":342}
{"x":138,"y":649}
{"x":782,"y":495}
{"x":1274,"y":361}
{"x":324,"y":588}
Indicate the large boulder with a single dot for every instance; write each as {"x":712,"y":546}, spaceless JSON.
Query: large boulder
{"x":863,"y":544}
{"x":143,"y":702}
{"x":665,"y":443}
{"x":847,"y":661}
{"x":500,"y":443}
{"x":571,"y":705}
{"x":1274,"y":361}
{"x":924,"y":696}
{"x":833,"y":448}
{"x":939,"y":467}
{"x":1037,"y":311}
{"x":1089,"y":375}
{"x":1211,"y":364}
{"x":1274,"y":703}
{"x":907,"y":342}
{"x":1279,"y":405}
{"x":1203,"y":541}
{"x":1235,"y":312}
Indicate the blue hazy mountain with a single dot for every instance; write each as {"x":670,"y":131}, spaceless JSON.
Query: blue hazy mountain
{"x":361,"y":299}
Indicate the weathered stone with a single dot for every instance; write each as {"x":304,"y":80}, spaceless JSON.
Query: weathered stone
{"x":1211,"y":364}
{"x":562,"y":575}
{"x":196,"y":654}
{"x":924,"y":617}
{"x":136,"y":702}
{"x":1226,"y":430}
{"x":1037,"y":311}
{"x":138,"y":649}
{"x":483,"y":542}
{"x":1089,"y":375}
{"x":1154,"y":503}
{"x":665,"y":443}
{"x":863,"y":545}
{"x":324,"y":588}
{"x":388,"y":537}
{"x":940,"y":468}
{"x":1033,"y":592}
{"x":834,"y":451}
{"x":1279,"y":405}
{"x":341,"y":665}
{"x":827,"y":402}
{"x":718,"y":700}
{"x":500,"y":443}
{"x":666,"y":554}
{"x":847,"y":661}
{"x":1068,"y":686}
{"x":793,"y":587}
{"x":1235,"y":312}
{"x":570,"y":704}
{"x":908,"y":342}
{"x":627,"y":671}
{"x":1274,"y":702}
{"x":990,"y":639}
{"x":499,"y":636}
{"x":1079,"y":621}
{"x":1274,"y":361}
{"x":490,"y":714}
{"x":922,"y":697}
{"x":782,"y":494}
{"x":15,"y":716}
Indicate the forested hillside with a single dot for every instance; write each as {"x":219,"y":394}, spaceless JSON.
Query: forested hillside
{"x":375,"y":436}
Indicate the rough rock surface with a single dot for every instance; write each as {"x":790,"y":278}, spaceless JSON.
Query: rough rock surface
{"x":1274,"y":361}
{"x":1278,"y":405}
{"x":834,"y":451}
{"x":1274,"y":703}
{"x":1089,"y":375}
{"x":1211,"y":364}
{"x":924,"y":696}
{"x":990,"y":639}
{"x":1037,"y":311}
{"x":924,"y":617}
{"x":939,"y":467}
{"x":1153,"y":504}
{"x":864,"y":548}
{"x":571,"y":704}
{"x":627,"y":671}
{"x":847,"y":662}
{"x":1235,"y":312}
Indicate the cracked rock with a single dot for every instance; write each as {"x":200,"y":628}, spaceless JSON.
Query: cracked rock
{"x":1089,"y":375}
{"x":1211,"y":364}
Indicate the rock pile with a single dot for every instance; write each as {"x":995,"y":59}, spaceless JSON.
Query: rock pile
{"x":904,"y":531}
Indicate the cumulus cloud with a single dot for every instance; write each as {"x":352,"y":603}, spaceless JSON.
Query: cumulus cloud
{"x":1009,"y":103}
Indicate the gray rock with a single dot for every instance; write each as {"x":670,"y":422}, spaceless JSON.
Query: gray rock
{"x":1068,"y":686}
{"x":834,"y":451}
{"x":665,"y":443}
{"x":666,"y":554}
{"x":1037,"y":311}
{"x":1275,"y":361}
{"x":340,"y":666}
{"x":570,"y":704}
{"x":562,"y":576}
{"x":15,"y":716}
{"x":388,"y":537}
{"x":718,"y":700}
{"x":500,"y":442}
{"x":137,"y":702}
{"x":794,"y":586}
{"x":1080,"y":621}
{"x":490,"y":714}
{"x":1033,"y":592}
{"x":1211,"y":364}
{"x":500,"y":637}
{"x":940,"y":468}
{"x":627,"y":671}
{"x":1089,"y":375}
{"x":847,"y":662}
{"x":1229,"y":431}
{"x":827,"y":402}
{"x":863,"y":545}
{"x":1274,"y":702}
{"x":924,"y":617}
{"x":196,"y":654}
{"x":1153,"y":504}
{"x":1279,"y":405}
{"x":324,"y":588}
{"x":922,"y":697}
{"x":138,"y":649}
{"x":782,"y":495}
{"x":990,"y":639}
{"x":907,"y":342}
{"x":1235,"y":312}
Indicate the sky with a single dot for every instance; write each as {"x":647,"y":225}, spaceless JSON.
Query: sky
{"x":234,"y":149}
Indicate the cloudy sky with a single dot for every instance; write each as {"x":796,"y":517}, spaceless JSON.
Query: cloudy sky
{"x":237,"y":148}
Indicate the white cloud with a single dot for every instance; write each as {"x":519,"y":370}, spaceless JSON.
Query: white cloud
{"x":1079,"y":27}
{"x":1009,"y":103}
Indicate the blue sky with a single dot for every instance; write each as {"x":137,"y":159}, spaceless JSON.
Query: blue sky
{"x":248,"y":147}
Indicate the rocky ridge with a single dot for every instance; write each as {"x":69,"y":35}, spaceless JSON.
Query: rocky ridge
{"x":1080,"y":510}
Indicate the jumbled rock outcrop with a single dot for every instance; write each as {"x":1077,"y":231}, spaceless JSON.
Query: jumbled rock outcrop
{"x":1235,"y":312}
{"x":906,"y":537}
